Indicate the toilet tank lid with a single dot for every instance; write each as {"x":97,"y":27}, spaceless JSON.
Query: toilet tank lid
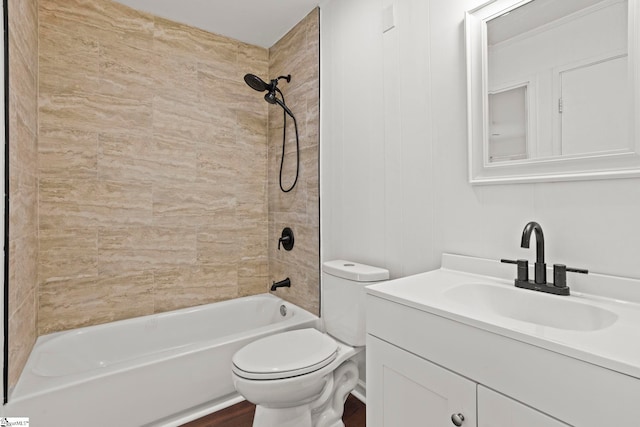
{"x":354,"y":271}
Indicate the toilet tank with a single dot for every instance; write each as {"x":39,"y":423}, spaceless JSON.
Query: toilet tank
{"x":343,"y":298}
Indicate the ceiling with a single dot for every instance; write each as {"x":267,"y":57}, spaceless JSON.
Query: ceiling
{"x":257,"y":22}
{"x":532,"y":15}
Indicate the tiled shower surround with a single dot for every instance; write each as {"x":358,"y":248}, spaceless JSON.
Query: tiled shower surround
{"x":23,"y":181}
{"x":152,"y":166}
{"x":297,"y":54}
{"x":155,"y":168}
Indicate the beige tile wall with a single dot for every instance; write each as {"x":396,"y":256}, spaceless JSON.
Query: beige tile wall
{"x":152,"y":163}
{"x":149,"y":158}
{"x":297,"y":53}
{"x":23,"y":184}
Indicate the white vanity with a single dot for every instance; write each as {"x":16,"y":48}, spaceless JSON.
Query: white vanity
{"x":463,"y":346}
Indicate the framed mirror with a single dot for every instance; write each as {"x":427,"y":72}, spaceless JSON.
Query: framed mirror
{"x":553,"y":90}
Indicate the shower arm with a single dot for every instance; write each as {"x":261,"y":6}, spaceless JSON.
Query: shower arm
{"x":273,"y":85}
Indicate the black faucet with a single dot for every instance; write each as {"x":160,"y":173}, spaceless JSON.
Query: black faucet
{"x":286,"y":283}
{"x":540,"y":268}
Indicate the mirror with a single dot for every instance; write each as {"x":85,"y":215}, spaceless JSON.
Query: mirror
{"x":552,"y":90}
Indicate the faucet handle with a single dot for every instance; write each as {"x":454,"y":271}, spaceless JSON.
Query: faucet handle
{"x":560,"y":274}
{"x":286,"y":239}
{"x":283,"y":240}
{"x":523,"y":268}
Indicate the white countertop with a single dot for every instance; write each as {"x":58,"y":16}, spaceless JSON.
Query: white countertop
{"x":615,"y":347}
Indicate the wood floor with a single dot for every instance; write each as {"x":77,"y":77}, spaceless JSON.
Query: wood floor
{"x":241,"y":415}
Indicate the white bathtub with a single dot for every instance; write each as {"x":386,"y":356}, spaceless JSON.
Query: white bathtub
{"x":159,"y":370}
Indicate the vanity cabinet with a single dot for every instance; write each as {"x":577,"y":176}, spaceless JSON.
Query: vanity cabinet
{"x":425,"y":366}
{"x":407,"y":390}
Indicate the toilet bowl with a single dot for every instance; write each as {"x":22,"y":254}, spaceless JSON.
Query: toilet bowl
{"x":301,"y":378}
{"x":295,"y":392}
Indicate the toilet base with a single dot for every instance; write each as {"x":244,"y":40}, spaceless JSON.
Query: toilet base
{"x":300,"y":416}
{"x":325,"y":411}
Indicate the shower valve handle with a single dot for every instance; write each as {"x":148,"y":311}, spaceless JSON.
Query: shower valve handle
{"x":286,"y":239}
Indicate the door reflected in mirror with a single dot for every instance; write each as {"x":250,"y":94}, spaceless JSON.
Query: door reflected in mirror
{"x":508,"y":120}
{"x":557,"y":81}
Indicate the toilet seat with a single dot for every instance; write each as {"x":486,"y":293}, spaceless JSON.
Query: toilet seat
{"x":285,"y":355}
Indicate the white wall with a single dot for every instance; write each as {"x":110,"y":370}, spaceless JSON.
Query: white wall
{"x":376,"y":180}
{"x":394,"y":187}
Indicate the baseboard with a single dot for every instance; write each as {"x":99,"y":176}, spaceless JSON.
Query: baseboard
{"x":360,"y":392}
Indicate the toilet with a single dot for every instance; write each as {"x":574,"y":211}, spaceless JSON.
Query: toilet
{"x":301,"y":378}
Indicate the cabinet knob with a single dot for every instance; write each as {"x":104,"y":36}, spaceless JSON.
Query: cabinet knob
{"x":457,"y":419}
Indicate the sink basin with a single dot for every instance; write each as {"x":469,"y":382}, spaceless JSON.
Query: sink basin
{"x":554,"y":311}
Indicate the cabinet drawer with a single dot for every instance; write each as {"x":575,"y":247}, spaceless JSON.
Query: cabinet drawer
{"x":496,"y":410}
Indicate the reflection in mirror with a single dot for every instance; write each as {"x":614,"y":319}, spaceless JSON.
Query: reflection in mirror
{"x":572,"y":57}
{"x":508,"y":124}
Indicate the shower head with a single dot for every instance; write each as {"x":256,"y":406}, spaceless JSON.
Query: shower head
{"x":256,"y":83}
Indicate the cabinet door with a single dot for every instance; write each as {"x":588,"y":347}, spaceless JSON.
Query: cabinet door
{"x":406,"y":390}
{"x":497,"y":410}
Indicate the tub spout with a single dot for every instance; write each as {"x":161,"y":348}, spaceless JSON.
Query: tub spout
{"x":286,"y":283}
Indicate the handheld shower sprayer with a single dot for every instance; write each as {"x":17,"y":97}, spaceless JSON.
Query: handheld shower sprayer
{"x":256,"y":83}
{"x":271,"y":98}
